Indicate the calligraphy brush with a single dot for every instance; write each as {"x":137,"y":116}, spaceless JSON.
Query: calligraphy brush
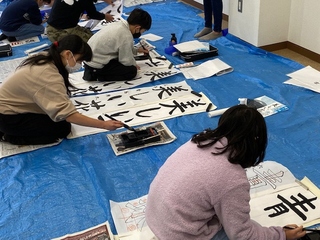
{"x":306,"y":229}
{"x":124,"y":125}
{"x":150,"y":58}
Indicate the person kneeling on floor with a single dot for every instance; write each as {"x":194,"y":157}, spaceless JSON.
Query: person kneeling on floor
{"x":22,"y":19}
{"x":35,"y":100}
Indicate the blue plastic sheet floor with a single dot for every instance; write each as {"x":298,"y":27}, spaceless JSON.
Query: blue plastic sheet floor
{"x":66,"y":188}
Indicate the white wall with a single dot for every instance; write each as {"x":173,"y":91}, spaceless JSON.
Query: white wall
{"x":261,"y":22}
{"x":225,"y":7}
{"x":274,"y":21}
{"x":304,"y":27}
{"x":244,"y":24}
{"x":264,"y":22}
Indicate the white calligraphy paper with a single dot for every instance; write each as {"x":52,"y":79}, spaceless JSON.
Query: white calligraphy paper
{"x":115,"y":10}
{"x":8,"y":67}
{"x":307,"y":77}
{"x":129,"y":216}
{"x":139,"y":106}
{"x":207,"y":69}
{"x":277,"y":198}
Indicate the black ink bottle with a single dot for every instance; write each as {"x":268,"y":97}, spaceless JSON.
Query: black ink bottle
{"x":171,"y":50}
{"x":173,"y":39}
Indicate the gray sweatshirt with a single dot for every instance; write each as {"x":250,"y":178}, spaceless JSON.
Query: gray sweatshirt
{"x":113,"y":41}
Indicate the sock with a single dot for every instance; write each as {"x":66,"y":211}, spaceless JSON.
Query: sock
{"x":211,"y":36}
{"x":203,"y":32}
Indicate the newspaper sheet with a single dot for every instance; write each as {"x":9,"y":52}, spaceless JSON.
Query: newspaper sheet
{"x":166,"y":136}
{"x":99,"y":232}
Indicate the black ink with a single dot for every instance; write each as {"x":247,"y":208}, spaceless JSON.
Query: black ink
{"x":197,"y":94}
{"x":158,"y":75}
{"x":96,"y":104}
{"x":114,"y":97}
{"x":85,"y":106}
{"x":134,"y":98}
{"x":282,"y":208}
{"x":169,"y":90}
{"x":119,"y":8}
{"x":181,"y":106}
{"x":146,"y":110}
{"x":94,"y":89}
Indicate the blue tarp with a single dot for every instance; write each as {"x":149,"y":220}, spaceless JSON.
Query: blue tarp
{"x":66,"y":188}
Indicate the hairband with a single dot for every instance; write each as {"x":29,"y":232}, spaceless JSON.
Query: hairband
{"x":55,"y":43}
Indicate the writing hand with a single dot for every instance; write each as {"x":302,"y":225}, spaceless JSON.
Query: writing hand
{"x":108,"y":17}
{"x":294,"y":231}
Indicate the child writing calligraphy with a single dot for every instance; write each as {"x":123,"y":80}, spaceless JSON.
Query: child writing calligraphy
{"x":35,"y":105}
{"x":113,"y":50}
{"x":202,"y":191}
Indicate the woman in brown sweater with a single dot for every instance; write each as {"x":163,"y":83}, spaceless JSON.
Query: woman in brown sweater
{"x":35,"y":107}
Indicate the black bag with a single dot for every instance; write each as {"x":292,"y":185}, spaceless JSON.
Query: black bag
{"x":5,"y":50}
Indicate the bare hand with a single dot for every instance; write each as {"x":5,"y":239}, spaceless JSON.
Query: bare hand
{"x":108,"y":17}
{"x":137,"y":67}
{"x":294,"y":231}
{"x":143,"y":50}
{"x":112,"y":125}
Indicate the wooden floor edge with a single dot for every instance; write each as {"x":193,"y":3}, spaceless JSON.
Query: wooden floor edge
{"x":293,"y":47}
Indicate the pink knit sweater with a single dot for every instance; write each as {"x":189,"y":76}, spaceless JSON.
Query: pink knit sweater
{"x":196,"y":193}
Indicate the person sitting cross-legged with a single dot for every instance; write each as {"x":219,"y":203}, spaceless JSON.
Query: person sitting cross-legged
{"x":113,"y":49}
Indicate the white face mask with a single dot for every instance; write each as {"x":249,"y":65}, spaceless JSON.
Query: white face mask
{"x":75,"y":68}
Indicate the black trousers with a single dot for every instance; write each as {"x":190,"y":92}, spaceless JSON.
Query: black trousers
{"x":31,"y":128}
{"x":113,"y":71}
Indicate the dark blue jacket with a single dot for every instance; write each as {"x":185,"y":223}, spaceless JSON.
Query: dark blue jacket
{"x":18,"y":13}
{"x":64,"y":15}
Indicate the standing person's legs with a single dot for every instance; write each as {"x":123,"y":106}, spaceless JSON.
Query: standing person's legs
{"x":207,"y":5}
{"x":207,"y":19}
{"x":113,"y":71}
{"x":217,"y":8}
{"x":31,"y":128}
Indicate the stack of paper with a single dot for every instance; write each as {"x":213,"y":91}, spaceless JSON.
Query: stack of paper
{"x":207,"y":69}
{"x":189,"y":46}
{"x":307,"y":77}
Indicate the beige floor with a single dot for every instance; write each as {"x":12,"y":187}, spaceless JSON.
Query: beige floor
{"x":298,"y":58}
